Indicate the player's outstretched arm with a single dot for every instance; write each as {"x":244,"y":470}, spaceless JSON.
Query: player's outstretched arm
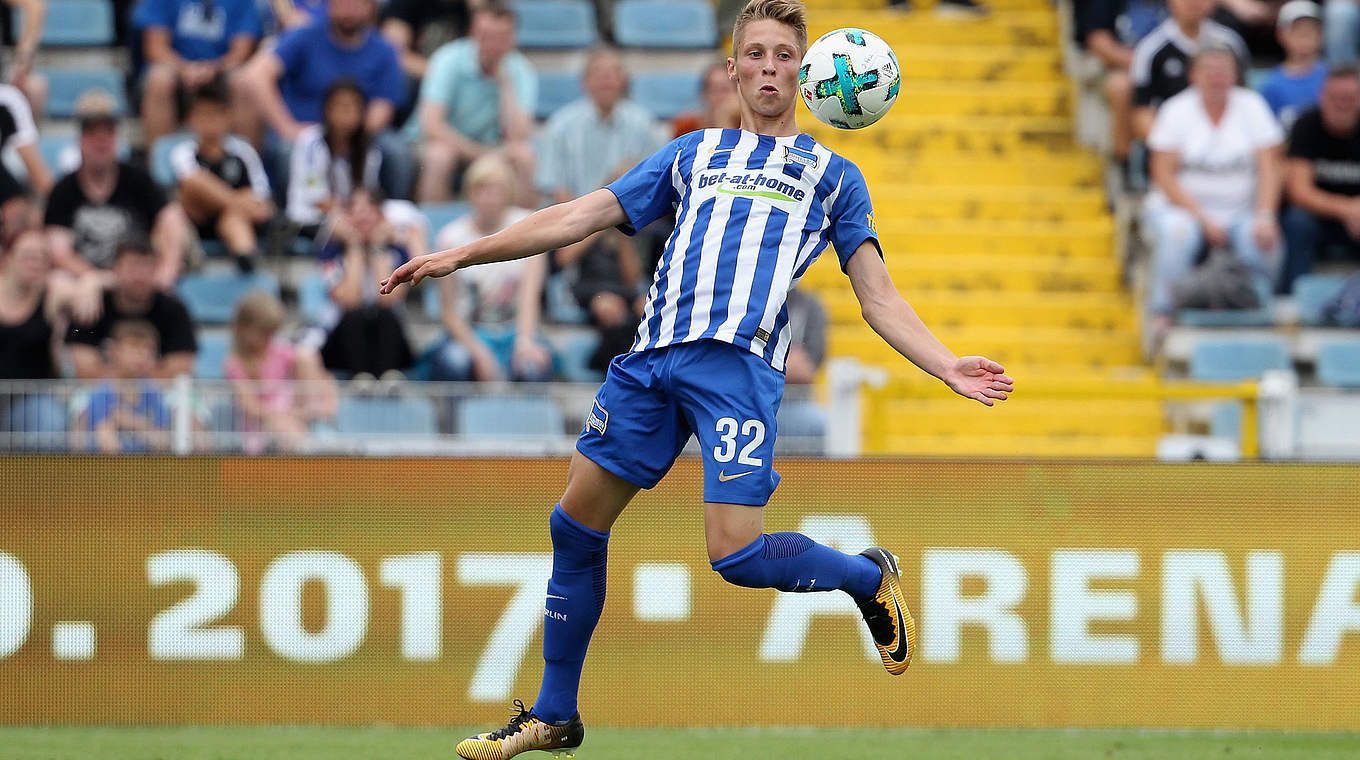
{"x":975,"y":377}
{"x":544,"y":230}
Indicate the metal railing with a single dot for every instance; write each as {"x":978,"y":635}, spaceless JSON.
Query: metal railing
{"x":186,"y":416}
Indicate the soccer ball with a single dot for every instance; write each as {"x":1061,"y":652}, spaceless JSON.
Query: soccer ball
{"x":849,"y":78}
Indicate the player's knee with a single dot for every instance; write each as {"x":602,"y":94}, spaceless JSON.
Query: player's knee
{"x":747,"y":566}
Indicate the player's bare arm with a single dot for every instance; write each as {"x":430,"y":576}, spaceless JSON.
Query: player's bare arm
{"x":975,"y":377}
{"x":543,"y":230}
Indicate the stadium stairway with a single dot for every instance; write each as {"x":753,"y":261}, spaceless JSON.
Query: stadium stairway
{"x":995,"y":227}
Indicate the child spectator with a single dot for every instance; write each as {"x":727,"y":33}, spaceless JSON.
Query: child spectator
{"x":1216,"y":172}
{"x":368,"y":336}
{"x":588,"y":137}
{"x":105,"y":201}
{"x":332,"y":159}
{"x":188,"y":43}
{"x":134,"y":294}
{"x":1323,"y":177}
{"x":720,"y":110}
{"x":503,"y":299}
{"x":272,"y":409}
{"x":222,"y":184}
{"x":1293,"y":86}
{"x":129,"y":415}
{"x":478,"y":97}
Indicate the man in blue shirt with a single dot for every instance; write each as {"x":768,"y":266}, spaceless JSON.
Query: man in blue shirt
{"x":754,"y":208}
{"x":187,"y":43}
{"x":1293,"y":86}
{"x":290,"y":81}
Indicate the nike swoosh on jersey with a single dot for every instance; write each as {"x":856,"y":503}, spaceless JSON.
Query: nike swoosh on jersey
{"x":724,"y":477}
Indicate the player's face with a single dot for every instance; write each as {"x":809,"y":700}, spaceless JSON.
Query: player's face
{"x":766,"y":67}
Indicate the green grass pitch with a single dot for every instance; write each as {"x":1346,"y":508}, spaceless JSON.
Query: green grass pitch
{"x":391,"y":743}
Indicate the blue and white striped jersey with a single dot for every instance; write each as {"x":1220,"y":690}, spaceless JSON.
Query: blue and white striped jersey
{"x":752,"y":212}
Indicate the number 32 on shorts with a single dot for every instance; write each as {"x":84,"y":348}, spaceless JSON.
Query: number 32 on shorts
{"x":727,"y":429}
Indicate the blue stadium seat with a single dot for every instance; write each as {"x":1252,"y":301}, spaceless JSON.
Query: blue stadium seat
{"x":556,"y":89}
{"x":665,"y":24}
{"x":666,"y":93}
{"x":161,"y":171}
{"x":1314,"y":291}
{"x":1338,"y":362}
{"x":1226,"y":317}
{"x":358,"y":415}
{"x":574,"y":353}
{"x":211,"y":296}
{"x":1229,"y":359}
{"x":314,"y":298}
{"x":51,"y":147}
{"x":509,"y":416}
{"x":74,"y":23}
{"x":555,"y":24}
{"x":213,"y":347}
{"x":67,"y":85}
{"x":440,"y":214}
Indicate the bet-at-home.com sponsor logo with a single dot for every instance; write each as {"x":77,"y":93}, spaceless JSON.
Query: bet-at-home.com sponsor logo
{"x":753,"y":185}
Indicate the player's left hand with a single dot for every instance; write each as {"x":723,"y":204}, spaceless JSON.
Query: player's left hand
{"x":979,"y":378}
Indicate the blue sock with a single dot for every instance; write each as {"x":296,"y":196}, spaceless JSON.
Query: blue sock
{"x":575,"y":599}
{"x":794,"y":562}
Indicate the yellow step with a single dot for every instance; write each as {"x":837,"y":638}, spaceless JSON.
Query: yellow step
{"x":1015,"y":345}
{"x":980,"y":64}
{"x":1099,"y":311}
{"x":900,"y":237}
{"x":964,"y":98}
{"x":945,"y":272}
{"x":818,"y":7}
{"x":1068,"y":171}
{"x":1017,"y":416}
{"x":984,"y":202}
{"x":1021,"y":28}
{"x":1094,"y":446}
{"x":907,"y":129}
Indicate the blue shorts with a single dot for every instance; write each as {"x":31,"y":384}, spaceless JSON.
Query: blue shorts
{"x":653,"y":401}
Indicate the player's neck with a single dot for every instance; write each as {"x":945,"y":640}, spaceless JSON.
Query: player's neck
{"x":783,"y":125}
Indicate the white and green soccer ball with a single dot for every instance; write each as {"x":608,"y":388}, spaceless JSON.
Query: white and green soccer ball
{"x":849,"y":78}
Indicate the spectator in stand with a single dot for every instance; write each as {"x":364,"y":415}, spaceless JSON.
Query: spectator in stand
{"x":1107,"y":30}
{"x":1323,"y":177}
{"x":129,"y":414}
{"x":417,"y":28}
{"x":222,"y":184}
{"x":134,"y":294}
{"x":18,"y":131}
{"x":478,"y":97}
{"x":1293,"y":86}
{"x":1161,"y":60}
{"x":188,"y":43}
{"x":583,"y":142}
{"x":946,"y":7}
{"x":332,"y":159}
{"x":502,"y":300}
{"x":286,"y":85}
{"x":32,"y":83}
{"x":1341,"y":27}
{"x":800,"y":416}
{"x":1254,"y":22}
{"x":263,"y":370}
{"x":719,"y":95}
{"x":33,"y":311}
{"x":1216,"y":173}
{"x":368,"y":336}
{"x":609,"y":286}
{"x":105,"y":201}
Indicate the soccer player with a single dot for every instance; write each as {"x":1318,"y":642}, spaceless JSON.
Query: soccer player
{"x":756,"y":205}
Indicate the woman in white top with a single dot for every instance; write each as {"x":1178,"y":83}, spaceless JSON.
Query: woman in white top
{"x":1217,"y":172}
{"x":503,"y":300}
{"x":332,"y":159}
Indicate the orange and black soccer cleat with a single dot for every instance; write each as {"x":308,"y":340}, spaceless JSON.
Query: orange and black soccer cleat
{"x":887,"y":616}
{"x":523,"y":733}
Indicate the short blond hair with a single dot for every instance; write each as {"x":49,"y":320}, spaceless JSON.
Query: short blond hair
{"x":791,"y":13}
{"x":259,"y":308}
{"x":489,"y":167}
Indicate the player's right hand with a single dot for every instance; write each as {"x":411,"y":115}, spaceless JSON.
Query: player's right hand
{"x":437,"y":264}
